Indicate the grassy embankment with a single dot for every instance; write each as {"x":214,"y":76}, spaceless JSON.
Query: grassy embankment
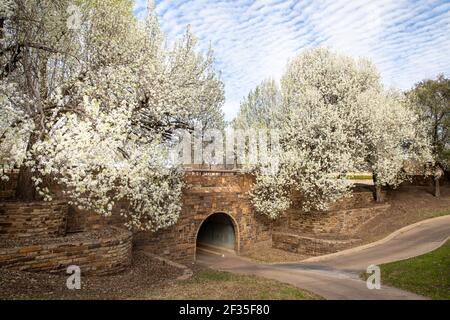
{"x":427,"y":275}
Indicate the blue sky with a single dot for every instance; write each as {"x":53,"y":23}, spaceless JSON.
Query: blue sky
{"x":253,"y":39}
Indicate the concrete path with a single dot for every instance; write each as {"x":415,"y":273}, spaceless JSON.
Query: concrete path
{"x":337,"y":276}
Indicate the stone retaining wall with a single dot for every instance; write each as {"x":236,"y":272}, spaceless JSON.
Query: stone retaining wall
{"x":206,"y":194}
{"x":358,"y":199}
{"x":318,"y":233}
{"x":94,"y":256}
{"x":210,"y":192}
{"x":345,"y":222}
{"x":361,"y":197}
{"x":82,"y":220}
{"x":308,"y":245}
{"x":32,"y":220}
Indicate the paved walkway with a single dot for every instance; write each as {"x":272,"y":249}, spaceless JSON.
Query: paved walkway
{"x":337,"y":276}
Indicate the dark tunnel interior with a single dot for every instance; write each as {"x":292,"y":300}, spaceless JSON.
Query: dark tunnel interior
{"x":217,"y":231}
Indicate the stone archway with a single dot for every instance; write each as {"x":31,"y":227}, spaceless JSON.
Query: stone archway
{"x":218,"y":232}
{"x":209,"y":192}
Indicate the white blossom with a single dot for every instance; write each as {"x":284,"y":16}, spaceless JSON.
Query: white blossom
{"x":335,"y":118}
{"x":98,"y":116}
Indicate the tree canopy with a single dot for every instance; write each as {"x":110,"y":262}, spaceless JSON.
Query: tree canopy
{"x":335,"y":118}
{"x":432,"y":100}
{"x":89,"y":97}
{"x":259,"y":107}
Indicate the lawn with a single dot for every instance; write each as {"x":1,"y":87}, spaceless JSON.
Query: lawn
{"x":210,"y":284}
{"x":427,"y":275}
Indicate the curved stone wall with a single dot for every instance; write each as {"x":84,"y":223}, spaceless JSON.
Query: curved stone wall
{"x":103,"y":252}
{"x":20,"y":220}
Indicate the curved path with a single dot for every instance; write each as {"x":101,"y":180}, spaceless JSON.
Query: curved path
{"x":336,"y":276}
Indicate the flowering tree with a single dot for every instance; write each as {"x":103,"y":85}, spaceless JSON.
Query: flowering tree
{"x":93,"y":107}
{"x":431,"y":99}
{"x":258,"y":112}
{"x":335,"y":118}
{"x":317,"y":131}
{"x":393,"y":133}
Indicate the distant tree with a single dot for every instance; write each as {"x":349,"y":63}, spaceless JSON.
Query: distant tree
{"x":432,"y":100}
{"x":259,"y":108}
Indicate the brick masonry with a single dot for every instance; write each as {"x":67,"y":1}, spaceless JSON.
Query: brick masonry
{"x":208,"y":193}
{"x":82,"y":220}
{"x":32,"y":220}
{"x":94,"y":256}
{"x":341,"y":222}
{"x":316,"y":233}
{"x":308,"y":245}
{"x":33,"y":237}
{"x":216,"y":191}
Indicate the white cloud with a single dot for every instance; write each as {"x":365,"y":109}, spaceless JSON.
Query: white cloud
{"x":253,"y":39}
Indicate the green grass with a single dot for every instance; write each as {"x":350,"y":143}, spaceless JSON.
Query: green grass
{"x":427,"y":275}
{"x":210,"y":284}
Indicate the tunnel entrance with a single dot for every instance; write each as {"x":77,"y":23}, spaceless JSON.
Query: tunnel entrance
{"x":217,"y":233}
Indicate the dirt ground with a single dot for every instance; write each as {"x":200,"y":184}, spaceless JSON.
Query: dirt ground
{"x":145,"y":275}
{"x":409,"y":204}
{"x":218,"y":285}
{"x":148,"y":278}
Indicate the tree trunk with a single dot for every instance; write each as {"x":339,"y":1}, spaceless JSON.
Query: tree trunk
{"x":378,"y":193}
{"x":438,"y":174}
{"x":25,"y":190}
{"x":437,"y":188}
{"x":2,"y":22}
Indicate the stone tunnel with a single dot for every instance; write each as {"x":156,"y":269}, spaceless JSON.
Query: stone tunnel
{"x":218,"y":233}
{"x":216,"y":212}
